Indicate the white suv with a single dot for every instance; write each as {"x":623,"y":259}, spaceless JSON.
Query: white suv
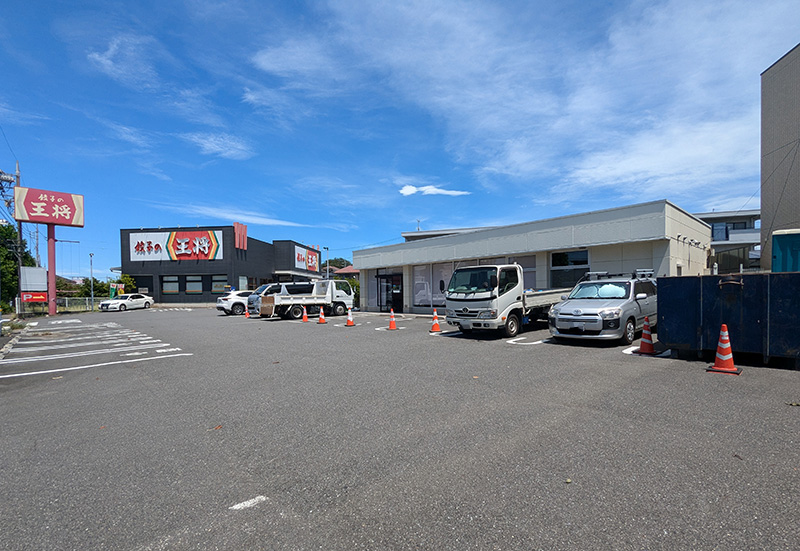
{"x":234,"y":302}
{"x":606,"y":306}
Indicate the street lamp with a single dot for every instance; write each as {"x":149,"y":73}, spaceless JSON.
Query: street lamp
{"x":91,"y":278}
{"x":327,"y":263}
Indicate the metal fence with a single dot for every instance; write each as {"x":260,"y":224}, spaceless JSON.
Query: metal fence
{"x":63,"y":305}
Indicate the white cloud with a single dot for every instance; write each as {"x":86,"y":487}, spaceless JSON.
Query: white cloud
{"x":228,"y":213}
{"x":306,"y":64}
{"x":129,"y":59}
{"x":220,"y":145}
{"x":430,"y":190}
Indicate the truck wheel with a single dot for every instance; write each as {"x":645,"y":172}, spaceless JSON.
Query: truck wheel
{"x":296,"y":312}
{"x":512,"y":326}
{"x":630,"y":332}
{"x":237,"y":309}
{"x":339,"y":309}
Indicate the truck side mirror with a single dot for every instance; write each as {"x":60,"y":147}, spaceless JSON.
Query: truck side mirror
{"x":441,"y":286}
{"x":493,"y":281}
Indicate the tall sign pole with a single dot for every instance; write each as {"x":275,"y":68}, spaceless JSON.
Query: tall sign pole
{"x":53,"y":208}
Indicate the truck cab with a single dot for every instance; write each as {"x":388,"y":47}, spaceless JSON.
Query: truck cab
{"x":485,"y":297}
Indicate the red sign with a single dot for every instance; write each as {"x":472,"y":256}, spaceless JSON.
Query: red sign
{"x":48,"y":207}
{"x":34,"y":297}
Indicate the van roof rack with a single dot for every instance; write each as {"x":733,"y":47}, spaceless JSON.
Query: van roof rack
{"x":638,"y":274}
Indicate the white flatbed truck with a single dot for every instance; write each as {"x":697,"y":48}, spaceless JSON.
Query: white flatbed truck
{"x":287,"y":300}
{"x":493,"y":298}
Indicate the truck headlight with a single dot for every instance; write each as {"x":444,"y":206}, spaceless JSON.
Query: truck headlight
{"x":553,"y":312}
{"x":611,"y":313}
{"x":450,"y":313}
{"x":488,"y":314}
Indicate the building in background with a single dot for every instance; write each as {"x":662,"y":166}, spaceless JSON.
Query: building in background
{"x":780,"y":150}
{"x":553,"y":253}
{"x":735,"y":239}
{"x":197,"y":265}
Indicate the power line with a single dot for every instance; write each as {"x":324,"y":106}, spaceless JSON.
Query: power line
{"x":7,"y":143}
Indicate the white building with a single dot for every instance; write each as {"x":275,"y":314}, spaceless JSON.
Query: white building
{"x":554,"y":252}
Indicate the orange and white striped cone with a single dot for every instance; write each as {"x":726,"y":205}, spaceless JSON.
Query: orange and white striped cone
{"x":724,"y":360}
{"x":392,"y":324}
{"x":246,"y":313}
{"x":435,"y":327}
{"x":646,"y":346}
{"x":305,"y":315}
{"x":321,"y":316}
{"x":350,"y":322}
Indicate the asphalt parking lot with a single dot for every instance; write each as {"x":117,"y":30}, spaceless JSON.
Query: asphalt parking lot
{"x":188,"y":429}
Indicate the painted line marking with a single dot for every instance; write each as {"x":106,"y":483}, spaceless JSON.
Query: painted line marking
{"x":517,"y":339}
{"x":134,"y":354}
{"x":63,"y":369}
{"x":109,"y":342}
{"x":247,"y":504}
{"x":387,"y":329}
{"x":78,"y":354}
{"x":168,"y":350}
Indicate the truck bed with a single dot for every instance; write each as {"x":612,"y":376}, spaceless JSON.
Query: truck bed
{"x":540,"y":299}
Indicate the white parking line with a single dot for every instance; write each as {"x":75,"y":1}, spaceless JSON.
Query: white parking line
{"x":119,"y":341}
{"x":78,"y":354}
{"x":517,"y":339}
{"x":247,"y":504}
{"x":63,"y":369}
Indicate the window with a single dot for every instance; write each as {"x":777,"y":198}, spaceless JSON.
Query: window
{"x":423,"y":293}
{"x":218,"y":283}
{"x":441,"y":272}
{"x":508,"y":280}
{"x":169,"y":285}
{"x":194,"y":285}
{"x":645,"y":287}
{"x":343,"y":286}
{"x":528,"y":264}
{"x":568,"y":267}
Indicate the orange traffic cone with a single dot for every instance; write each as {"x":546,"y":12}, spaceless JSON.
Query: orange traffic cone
{"x":246,"y":313}
{"x":724,"y":360}
{"x":321,"y":316}
{"x":435,"y":328}
{"x":349,"y":319}
{"x":392,"y":324}
{"x":305,"y":315}
{"x":646,"y":346}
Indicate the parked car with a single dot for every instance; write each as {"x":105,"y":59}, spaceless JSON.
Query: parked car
{"x":606,"y":306}
{"x":234,"y":302}
{"x":126,"y":302}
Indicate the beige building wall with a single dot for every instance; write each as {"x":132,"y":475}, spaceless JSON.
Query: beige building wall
{"x":658,"y":236}
{"x":780,"y":145}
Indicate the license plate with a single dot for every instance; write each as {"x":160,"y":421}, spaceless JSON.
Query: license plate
{"x":579,"y":325}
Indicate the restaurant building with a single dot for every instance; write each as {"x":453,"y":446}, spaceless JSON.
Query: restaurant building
{"x":197,"y":265}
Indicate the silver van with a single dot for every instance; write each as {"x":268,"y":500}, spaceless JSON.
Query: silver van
{"x":606,"y":306}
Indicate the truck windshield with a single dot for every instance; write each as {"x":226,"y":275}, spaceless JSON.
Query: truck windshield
{"x":471,"y":280}
{"x":601,"y":290}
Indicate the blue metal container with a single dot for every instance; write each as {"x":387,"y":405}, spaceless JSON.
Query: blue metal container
{"x":762,"y":312}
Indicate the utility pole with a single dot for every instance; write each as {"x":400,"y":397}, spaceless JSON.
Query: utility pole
{"x":19,"y":244}
{"x":8,"y":178}
{"x":91,"y":278}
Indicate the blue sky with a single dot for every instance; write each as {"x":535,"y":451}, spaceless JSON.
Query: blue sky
{"x":344,"y":123}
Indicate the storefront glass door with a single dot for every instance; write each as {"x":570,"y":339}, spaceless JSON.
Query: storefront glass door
{"x":390,"y":293}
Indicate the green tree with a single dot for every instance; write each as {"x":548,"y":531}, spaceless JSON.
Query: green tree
{"x":9,"y":275}
{"x":129,"y":282}
{"x":100,"y":288}
{"x":336,"y":263}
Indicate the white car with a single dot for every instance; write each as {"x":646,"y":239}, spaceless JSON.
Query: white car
{"x":234,"y":302}
{"x":126,"y":302}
